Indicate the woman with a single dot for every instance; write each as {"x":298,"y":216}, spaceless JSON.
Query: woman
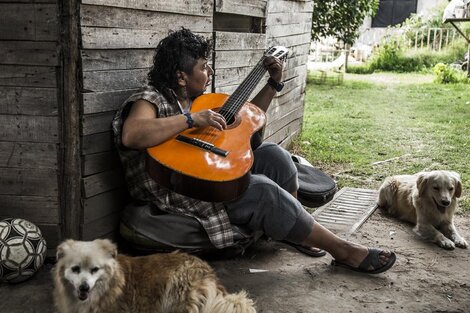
{"x":161,"y":110}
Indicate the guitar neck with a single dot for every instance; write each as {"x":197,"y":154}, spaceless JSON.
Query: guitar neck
{"x":241,"y":94}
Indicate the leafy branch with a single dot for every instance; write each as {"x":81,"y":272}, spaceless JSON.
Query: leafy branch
{"x":341,"y":18}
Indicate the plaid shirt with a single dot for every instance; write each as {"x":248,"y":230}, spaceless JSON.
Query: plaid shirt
{"x":212,"y":216}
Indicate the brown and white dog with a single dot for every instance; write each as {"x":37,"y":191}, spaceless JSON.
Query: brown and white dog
{"x":92,"y":277}
{"x":428,"y":200}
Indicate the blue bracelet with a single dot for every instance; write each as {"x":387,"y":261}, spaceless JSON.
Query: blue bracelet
{"x":189,"y":120}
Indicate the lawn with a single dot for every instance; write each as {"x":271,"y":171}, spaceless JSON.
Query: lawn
{"x":371,"y":127}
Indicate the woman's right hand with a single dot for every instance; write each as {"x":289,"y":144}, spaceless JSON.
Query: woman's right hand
{"x":209,"y":118}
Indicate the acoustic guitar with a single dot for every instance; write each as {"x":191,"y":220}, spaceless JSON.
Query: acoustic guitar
{"x":209,"y":164}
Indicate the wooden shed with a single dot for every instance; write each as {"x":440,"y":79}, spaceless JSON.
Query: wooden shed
{"x":66,"y":66}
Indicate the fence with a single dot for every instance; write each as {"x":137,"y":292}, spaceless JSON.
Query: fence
{"x":432,"y":38}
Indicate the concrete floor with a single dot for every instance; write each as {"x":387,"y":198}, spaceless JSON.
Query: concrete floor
{"x":32,"y":296}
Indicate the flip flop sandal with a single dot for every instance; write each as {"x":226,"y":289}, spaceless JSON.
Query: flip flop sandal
{"x":372,"y":259}
{"x":313,"y":252}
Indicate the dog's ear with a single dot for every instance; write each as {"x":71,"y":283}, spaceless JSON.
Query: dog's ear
{"x":109,"y":247}
{"x":63,"y":248}
{"x":458,"y":184}
{"x":458,"y":189}
{"x":421,"y":182}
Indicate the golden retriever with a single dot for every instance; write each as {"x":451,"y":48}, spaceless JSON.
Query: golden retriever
{"x":428,"y":200}
{"x":92,"y":277}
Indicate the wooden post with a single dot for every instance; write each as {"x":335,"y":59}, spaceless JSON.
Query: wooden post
{"x":433,"y":45}
{"x":70,"y":165}
{"x":440,"y":39}
{"x":429,"y":36}
{"x":416,"y":40}
{"x":468,"y":61}
{"x":466,"y":38}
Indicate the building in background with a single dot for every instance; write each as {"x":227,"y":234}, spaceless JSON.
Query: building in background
{"x":391,"y":13}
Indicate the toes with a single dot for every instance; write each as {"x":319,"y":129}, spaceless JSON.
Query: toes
{"x":379,"y":260}
{"x":448,"y":245}
{"x":384,"y":257}
{"x":461,"y":244}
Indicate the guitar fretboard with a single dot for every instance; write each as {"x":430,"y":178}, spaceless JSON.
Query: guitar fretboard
{"x":241,"y":94}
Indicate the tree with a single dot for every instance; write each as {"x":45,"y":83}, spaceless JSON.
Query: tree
{"x":340,"y":18}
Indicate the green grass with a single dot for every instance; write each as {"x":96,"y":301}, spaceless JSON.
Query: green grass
{"x":405,"y":124}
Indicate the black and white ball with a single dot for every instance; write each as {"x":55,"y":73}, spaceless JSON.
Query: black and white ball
{"x":22,"y":249}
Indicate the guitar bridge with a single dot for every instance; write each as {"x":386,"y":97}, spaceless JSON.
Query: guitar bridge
{"x":202,"y":145}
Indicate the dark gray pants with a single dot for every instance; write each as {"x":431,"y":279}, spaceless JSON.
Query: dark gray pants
{"x":268,"y":204}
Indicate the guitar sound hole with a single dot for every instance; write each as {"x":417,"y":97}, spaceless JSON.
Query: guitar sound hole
{"x":230,"y":121}
{"x":229,"y":118}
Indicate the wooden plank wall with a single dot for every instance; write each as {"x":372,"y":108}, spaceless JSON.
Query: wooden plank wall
{"x":289,"y":23}
{"x":237,"y":50}
{"x":30,"y":70}
{"x":235,"y":56}
{"x":118,"y":41}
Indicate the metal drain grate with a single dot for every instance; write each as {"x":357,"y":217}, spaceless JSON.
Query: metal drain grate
{"x":348,"y":210}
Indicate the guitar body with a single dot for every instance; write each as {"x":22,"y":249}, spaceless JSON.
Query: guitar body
{"x":201,"y":174}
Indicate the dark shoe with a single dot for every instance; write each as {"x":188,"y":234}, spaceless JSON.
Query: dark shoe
{"x":310,"y":251}
{"x":372,"y":259}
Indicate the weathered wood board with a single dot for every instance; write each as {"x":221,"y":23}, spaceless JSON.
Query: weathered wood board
{"x":242,"y":7}
{"x":28,"y":21}
{"x":195,"y":7}
{"x":28,"y":101}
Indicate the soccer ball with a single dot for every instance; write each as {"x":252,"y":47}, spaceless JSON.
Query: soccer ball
{"x":22,"y":249}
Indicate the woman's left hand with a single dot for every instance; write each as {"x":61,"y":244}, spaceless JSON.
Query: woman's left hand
{"x":274,"y":67}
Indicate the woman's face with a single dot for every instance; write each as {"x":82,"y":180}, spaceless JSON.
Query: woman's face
{"x":198,"y":81}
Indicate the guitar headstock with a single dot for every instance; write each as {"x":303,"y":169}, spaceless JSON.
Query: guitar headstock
{"x":279,"y":52}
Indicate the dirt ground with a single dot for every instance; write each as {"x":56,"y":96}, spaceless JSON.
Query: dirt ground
{"x":425,"y":277}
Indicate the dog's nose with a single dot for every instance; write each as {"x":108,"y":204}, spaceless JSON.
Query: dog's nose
{"x":84,"y":287}
{"x":445,"y":202}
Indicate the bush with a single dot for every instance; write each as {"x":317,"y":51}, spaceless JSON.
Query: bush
{"x":387,"y":57}
{"x":359,"y":69}
{"x":391,"y":57}
{"x":447,"y":75}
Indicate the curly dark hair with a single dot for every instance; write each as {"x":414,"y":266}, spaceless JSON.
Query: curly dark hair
{"x":179,"y":51}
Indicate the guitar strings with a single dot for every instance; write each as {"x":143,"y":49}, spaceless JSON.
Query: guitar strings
{"x":237,"y":99}
{"x":211,"y":132}
{"x":251,"y":82}
{"x":254,"y":80}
